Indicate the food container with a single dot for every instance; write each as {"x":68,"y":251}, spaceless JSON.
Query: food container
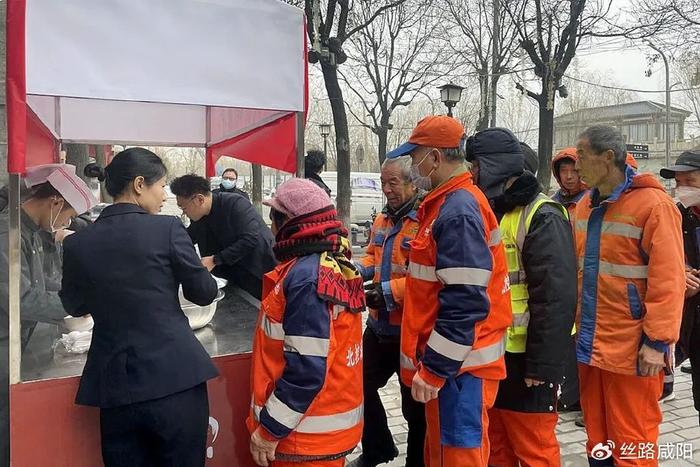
{"x":80,"y":323}
{"x":200,"y":316}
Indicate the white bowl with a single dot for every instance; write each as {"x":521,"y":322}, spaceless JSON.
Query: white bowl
{"x":82,"y":323}
{"x":200,"y":316}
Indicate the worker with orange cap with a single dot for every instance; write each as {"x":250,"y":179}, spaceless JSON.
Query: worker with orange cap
{"x":457,"y":300}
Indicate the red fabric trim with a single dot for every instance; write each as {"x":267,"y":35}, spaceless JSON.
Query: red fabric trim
{"x":272,"y":145}
{"x":16,"y":87}
{"x":41,"y":145}
{"x":430,"y":378}
{"x":272,"y":148}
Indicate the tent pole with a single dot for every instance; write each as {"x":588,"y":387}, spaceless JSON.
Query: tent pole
{"x":300,"y":143}
{"x":15,"y":263}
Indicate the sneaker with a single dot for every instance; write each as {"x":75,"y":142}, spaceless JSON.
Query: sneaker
{"x":363,"y":461}
{"x":686,"y":368}
{"x":667,"y":397}
{"x":579,"y":421}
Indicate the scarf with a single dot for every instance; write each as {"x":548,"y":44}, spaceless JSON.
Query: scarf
{"x":398,"y":214}
{"x":339,"y":281}
{"x":523,"y":190}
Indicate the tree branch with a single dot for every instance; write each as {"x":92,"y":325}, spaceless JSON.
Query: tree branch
{"x":342,"y":36}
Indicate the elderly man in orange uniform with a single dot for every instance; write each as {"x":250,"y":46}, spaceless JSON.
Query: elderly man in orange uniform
{"x":385,"y":264}
{"x":457,"y":300}
{"x":631,"y":282}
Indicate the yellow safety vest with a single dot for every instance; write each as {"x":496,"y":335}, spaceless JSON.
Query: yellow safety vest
{"x":514,"y":227}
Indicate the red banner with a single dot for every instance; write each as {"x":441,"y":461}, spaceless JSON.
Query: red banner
{"x":16,"y":87}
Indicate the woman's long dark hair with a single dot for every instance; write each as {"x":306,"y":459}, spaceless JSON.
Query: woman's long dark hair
{"x":126,"y":166}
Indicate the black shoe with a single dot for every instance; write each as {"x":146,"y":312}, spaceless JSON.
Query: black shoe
{"x":686,"y":368}
{"x":363,"y":461}
{"x":579,"y":421}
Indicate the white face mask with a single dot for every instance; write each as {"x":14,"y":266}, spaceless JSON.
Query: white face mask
{"x":228,"y":184}
{"x":421,"y":182}
{"x":688,"y":196}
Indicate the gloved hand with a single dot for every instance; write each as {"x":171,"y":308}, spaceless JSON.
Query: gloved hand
{"x":374,"y":296}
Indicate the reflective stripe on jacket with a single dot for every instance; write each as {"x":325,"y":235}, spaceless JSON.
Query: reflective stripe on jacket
{"x":307,"y":361}
{"x":631,"y":273}
{"x":457,"y":300}
{"x":514,"y":227}
{"x":386,"y":261}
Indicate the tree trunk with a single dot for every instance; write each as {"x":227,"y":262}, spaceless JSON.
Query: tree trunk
{"x":383,"y":137}
{"x":494,"y":96}
{"x":546,"y":142}
{"x":101,"y":160}
{"x":495,"y":37}
{"x":483,"y":122}
{"x":77,"y":155}
{"x":342,"y":142}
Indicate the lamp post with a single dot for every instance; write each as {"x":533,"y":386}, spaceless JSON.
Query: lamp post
{"x":325,"y":129}
{"x":667,"y":135}
{"x":450,"y":94}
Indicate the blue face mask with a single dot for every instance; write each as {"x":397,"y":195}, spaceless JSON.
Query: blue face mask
{"x":228,"y":184}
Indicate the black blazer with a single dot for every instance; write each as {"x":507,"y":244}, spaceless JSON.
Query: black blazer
{"x":236,"y":235}
{"x":234,"y":191}
{"x":125,"y":270}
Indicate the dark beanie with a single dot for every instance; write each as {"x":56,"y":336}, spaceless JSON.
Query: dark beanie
{"x":500,"y":157}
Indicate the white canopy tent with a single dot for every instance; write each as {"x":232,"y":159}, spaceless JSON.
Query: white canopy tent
{"x":228,"y":75}
{"x":161,"y":72}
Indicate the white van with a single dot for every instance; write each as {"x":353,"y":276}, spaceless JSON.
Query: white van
{"x":367,"y":197}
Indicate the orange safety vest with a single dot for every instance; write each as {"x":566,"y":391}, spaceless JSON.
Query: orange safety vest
{"x":631,"y":273}
{"x":436,"y":293}
{"x":386,"y":261}
{"x":333,"y":422}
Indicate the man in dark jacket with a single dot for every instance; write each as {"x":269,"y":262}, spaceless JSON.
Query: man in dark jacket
{"x":686,"y":172}
{"x":229,"y":184}
{"x":542,"y":271}
{"x":314,"y":162}
{"x":233,"y":240}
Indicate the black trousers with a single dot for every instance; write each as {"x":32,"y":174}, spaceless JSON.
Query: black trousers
{"x":569,"y":388}
{"x":380,"y":362}
{"x":694,"y":355}
{"x":166,"y":432}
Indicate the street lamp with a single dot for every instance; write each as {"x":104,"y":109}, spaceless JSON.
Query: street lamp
{"x":668,"y":101}
{"x":325,"y":129}
{"x":450,"y":94}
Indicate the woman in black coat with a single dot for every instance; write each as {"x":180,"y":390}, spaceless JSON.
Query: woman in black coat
{"x":145,"y":369}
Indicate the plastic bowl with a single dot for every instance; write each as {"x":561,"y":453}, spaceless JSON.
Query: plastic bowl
{"x":200,"y":316}
{"x":82,"y":323}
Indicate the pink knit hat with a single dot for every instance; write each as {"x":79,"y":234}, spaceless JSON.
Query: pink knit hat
{"x":298,"y":196}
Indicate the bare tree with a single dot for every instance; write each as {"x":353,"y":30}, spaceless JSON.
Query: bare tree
{"x":328,"y":29}
{"x":392,"y":61}
{"x":687,"y":72}
{"x":680,"y":19}
{"x":487,"y":43}
{"x":550,"y":32}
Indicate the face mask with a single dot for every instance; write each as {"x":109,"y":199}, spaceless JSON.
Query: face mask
{"x":421,"y":182}
{"x":688,"y":196}
{"x":228,"y":184}
{"x":52,"y":227}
